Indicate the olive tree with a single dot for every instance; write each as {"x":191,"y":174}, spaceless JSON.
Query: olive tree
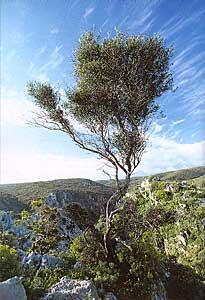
{"x":118,"y":82}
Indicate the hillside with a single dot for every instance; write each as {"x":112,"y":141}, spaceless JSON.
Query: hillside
{"x":10,"y":202}
{"x":183,"y":174}
{"x":17,"y":196}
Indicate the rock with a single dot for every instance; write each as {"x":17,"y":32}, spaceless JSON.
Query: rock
{"x":6,"y":220}
{"x":43,"y":261}
{"x":78,"y":265}
{"x":66,"y":227}
{"x":69,"y":289}
{"x":88,"y":200}
{"x":162,"y":296}
{"x":12,"y":289}
{"x":23,"y":236}
{"x":169,"y":188}
{"x":110,"y":296}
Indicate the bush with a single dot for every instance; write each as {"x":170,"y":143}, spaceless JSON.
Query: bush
{"x":39,"y":281}
{"x":9,"y":263}
{"x":138,"y":271}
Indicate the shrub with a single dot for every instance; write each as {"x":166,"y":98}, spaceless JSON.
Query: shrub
{"x":138,"y":271}
{"x":9,"y":263}
{"x":39,"y":281}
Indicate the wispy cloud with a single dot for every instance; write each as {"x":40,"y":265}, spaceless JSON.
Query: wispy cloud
{"x":55,"y":59}
{"x":16,"y":110}
{"x":141,"y":19}
{"x":54,"y":31}
{"x":88,"y":12}
{"x":178,"y":122}
{"x":42,"y":77}
{"x":176,"y":24}
{"x":41,"y":50}
{"x":53,"y":62}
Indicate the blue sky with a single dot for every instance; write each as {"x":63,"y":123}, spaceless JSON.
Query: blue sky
{"x":37,"y":43}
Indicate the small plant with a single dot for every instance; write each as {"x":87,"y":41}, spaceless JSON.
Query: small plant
{"x":9,"y":262}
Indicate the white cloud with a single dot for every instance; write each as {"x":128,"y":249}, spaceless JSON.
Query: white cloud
{"x":88,"y":12}
{"x":16,"y":110}
{"x":41,"y":50}
{"x":176,"y":24}
{"x":162,"y":154}
{"x":55,"y":60}
{"x":141,"y":19}
{"x":28,"y":167}
{"x":156,"y":128}
{"x":54,"y":31}
{"x":42,"y":77}
{"x":178,"y":122}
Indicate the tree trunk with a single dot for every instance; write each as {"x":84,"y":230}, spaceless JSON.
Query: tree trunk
{"x":109,"y":243}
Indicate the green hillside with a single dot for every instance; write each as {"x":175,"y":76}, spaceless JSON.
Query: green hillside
{"x":183,"y":174}
{"x":17,"y":196}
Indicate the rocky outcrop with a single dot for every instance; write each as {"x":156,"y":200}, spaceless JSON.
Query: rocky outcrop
{"x":24,"y":237}
{"x":41,"y":261}
{"x":66,"y":226}
{"x":88,"y":200}
{"x":69,"y":289}
{"x":12,"y":289}
{"x":6,"y":220}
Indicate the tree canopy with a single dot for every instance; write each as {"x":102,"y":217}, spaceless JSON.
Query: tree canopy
{"x":118,"y":81}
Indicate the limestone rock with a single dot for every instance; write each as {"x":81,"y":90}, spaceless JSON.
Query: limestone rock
{"x":12,"y":289}
{"x":110,"y":296}
{"x":61,"y":199}
{"x":6,"y":220}
{"x":43,"y":261}
{"x":69,"y":289}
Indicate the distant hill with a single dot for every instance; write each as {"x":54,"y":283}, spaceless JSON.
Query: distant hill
{"x":17,"y":196}
{"x":183,"y":174}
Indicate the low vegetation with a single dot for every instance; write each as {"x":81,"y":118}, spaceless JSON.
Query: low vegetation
{"x":157,"y":237}
{"x":9,"y":262}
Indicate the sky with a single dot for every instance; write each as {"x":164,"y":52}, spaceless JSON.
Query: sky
{"x":38,"y":39}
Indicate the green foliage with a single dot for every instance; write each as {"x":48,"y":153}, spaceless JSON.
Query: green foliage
{"x":150,"y":235}
{"x":45,"y":228}
{"x":9,"y":263}
{"x":147,"y":234}
{"x":138,"y":270}
{"x":7,"y":239}
{"x":109,"y":69}
{"x":177,"y":222}
{"x":80,"y":216}
{"x":10,"y":201}
{"x":37,"y":282}
{"x":184,"y":174}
